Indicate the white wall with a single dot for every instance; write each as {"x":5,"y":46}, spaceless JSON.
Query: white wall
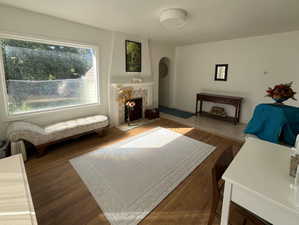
{"x":254,"y":65}
{"x":158,"y":51}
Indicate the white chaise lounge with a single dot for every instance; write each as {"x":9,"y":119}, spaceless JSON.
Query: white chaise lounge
{"x":41,"y":137}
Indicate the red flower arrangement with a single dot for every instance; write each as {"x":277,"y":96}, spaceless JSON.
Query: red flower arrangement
{"x":281,"y":92}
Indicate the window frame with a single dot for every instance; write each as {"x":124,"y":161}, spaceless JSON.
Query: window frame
{"x":24,"y":115}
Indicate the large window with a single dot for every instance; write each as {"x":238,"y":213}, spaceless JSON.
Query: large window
{"x":43,"y":76}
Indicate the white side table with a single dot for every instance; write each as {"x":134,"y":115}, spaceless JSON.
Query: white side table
{"x":258,"y":180}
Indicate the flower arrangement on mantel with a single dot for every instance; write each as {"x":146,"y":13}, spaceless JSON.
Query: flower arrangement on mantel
{"x":124,"y":97}
{"x":281,"y":92}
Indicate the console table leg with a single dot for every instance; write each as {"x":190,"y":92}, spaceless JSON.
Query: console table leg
{"x":239,"y":113}
{"x":236,"y":120}
{"x":196,"y":109}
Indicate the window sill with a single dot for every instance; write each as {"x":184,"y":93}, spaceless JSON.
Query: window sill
{"x":44,"y":113}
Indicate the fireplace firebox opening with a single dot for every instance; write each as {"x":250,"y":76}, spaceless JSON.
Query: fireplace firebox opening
{"x":136,"y":112}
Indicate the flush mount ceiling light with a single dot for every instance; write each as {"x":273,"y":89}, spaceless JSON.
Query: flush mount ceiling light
{"x":173,"y":19}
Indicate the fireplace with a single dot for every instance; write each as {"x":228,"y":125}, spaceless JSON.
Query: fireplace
{"x":135,"y":113}
{"x":140,"y":90}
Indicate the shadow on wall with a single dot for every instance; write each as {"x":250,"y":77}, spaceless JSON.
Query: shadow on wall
{"x":164,"y":82}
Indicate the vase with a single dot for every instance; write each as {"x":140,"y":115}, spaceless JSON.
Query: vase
{"x":129,"y":114}
{"x":280,"y":100}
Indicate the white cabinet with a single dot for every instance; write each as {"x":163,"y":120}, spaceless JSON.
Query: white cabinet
{"x":16,"y":207}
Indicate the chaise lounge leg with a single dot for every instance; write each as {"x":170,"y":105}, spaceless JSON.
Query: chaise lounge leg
{"x":100,"y":132}
{"x":41,"y":150}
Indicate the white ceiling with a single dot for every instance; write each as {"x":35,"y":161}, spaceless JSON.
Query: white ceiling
{"x":208,"y":20}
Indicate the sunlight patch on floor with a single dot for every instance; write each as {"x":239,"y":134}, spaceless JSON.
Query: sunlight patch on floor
{"x":221,"y":128}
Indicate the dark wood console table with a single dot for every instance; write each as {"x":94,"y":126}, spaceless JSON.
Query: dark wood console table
{"x":223,"y":99}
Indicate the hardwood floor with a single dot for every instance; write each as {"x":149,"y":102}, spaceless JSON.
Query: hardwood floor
{"x":61,"y":198}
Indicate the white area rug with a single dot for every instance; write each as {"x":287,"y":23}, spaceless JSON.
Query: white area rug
{"x":130,"y":178}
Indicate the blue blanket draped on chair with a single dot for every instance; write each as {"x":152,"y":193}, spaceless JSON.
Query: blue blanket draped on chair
{"x":275,"y":123}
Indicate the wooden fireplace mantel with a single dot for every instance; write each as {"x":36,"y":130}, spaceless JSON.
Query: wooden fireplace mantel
{"x":222,"y":99}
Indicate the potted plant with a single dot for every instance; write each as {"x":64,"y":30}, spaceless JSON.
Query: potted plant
{"x":281,"y":92}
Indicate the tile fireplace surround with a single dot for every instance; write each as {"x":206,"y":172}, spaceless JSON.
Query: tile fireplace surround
{"x":140,"y":90}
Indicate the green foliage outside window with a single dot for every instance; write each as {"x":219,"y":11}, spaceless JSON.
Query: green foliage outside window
{"x":24,"y":60}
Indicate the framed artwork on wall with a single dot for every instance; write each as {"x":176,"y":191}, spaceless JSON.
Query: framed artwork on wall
{"x":221,"y":72}
{"x":133,"y":56}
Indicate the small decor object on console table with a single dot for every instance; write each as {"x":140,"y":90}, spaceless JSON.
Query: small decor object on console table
{"x":218,"y":111}
{"x":281,"y":93}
